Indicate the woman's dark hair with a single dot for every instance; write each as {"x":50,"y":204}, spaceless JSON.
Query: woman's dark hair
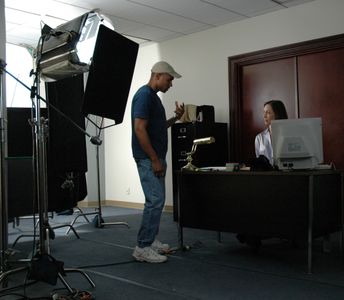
{"x":278,"y":108}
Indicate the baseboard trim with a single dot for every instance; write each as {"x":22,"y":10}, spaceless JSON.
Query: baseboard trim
{"x":118,"y":203}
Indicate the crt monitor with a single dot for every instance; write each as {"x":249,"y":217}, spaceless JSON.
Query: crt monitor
{"x":297,"y":143}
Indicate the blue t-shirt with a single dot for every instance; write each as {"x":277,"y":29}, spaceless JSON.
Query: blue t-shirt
{"x":147,"y":105}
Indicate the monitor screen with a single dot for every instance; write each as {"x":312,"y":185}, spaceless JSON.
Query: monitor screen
{"x":297,"y":143}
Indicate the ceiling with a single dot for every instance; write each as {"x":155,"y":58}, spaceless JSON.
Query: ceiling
{"x":141,"y":20}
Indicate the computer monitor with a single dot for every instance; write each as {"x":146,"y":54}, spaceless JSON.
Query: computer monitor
{"x":297,"y":143}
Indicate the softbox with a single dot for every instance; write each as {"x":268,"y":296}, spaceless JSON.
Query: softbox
{"x":110,"y":75}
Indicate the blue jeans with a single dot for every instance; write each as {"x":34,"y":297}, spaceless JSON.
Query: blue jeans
{"x":154,"y":191}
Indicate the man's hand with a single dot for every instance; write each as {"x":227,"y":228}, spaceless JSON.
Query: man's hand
{"x":179,"y":111}
{"x":158,"y":168}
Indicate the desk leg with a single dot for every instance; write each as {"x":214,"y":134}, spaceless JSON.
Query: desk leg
{"x":310,"y":222}
{"x":180,"y":227}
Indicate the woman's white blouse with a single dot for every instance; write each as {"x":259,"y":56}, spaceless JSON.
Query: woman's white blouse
{"x":263,"y":145}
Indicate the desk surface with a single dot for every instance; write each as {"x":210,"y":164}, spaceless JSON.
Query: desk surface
{"x":263,"y":173}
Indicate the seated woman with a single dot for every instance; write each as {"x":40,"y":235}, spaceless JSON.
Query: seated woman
{"x":273,"y":110}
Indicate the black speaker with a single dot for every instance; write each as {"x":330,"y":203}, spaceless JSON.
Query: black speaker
{"x":110,"y":75}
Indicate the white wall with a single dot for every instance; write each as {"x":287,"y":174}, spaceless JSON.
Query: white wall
{"x":202,"y":59}
{"x":121,"y":177}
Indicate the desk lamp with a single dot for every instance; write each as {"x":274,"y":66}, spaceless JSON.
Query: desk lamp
{"x":189,"y":165}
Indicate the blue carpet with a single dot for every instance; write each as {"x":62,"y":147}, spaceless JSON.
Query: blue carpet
{"x":209,"y":270}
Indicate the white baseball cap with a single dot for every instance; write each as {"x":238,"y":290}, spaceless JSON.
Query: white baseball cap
{"x":164,"y":67}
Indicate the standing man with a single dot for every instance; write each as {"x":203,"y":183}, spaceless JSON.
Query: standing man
{"x":149,"y":146}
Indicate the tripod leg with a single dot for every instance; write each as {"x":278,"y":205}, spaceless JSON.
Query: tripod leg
{"x":93,"y":285}
{"x":65,"y":283}
{"x":70,"y":227}
{"x":79,"y":215}
{"x":4,"y":275}
{"x":19,"y":237}
{"x":116,"y":223}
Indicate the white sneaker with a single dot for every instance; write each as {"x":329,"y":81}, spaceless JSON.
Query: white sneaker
{"x":148,"y":254}
{"x":160,"y":247}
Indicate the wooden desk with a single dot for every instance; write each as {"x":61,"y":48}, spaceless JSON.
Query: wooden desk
{"x":291,"y":204}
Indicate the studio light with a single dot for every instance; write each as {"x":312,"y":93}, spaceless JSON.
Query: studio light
{"x":89,"y":44}
{"x":202,"y":141}
{"x":67,"y":50}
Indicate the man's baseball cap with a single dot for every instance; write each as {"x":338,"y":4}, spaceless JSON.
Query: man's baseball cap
{"x":164,"y":67}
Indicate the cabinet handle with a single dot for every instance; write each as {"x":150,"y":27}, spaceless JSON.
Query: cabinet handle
{"x":181,"y":137}
{"x":181,"y":160}
{"x":182,"y":130}
{"x":183,"y":153}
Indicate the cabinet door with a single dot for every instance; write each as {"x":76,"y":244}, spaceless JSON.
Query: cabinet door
{"x":182,"y":138}
{"x":321,"y":94}
{"x":262,"y":82}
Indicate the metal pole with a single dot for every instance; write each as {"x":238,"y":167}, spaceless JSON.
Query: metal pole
{"x":41,"y":171}
{"x":100,"y":221}
{"x":3,"y":172}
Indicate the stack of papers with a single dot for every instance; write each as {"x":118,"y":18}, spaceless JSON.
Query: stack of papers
{"x":213,"y":169}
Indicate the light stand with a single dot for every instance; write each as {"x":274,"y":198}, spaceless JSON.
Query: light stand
{"x":41,"y":179}
{"x":3,"y":177}
{"x":98,"y":220}
{"x":40,"y":154}
{"x":3,"y":171}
